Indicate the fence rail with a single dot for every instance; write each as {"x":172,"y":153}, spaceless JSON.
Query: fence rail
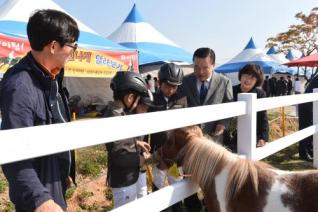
{"x":37,"y":141}
{"x":25,"y":143}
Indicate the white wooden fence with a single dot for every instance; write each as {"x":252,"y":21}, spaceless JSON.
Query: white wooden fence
{"x":25,"y":143}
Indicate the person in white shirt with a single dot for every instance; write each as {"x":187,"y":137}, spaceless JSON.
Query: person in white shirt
{"x":298,"y":87}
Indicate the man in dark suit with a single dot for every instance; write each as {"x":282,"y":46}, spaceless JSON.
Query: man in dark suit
{"x":305,"y":148}
{"x":206,"y":87}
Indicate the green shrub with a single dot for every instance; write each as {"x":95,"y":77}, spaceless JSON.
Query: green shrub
{"x":108,"y":194}
{"x":90,"y":161}
{"x":7,"y":207}
{"x":89,"y":168}
{"x":70,"y":192}
{"x":84,"y":195}
{"x":3,"y":185}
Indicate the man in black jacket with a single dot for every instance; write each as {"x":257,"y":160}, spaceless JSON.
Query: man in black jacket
{"x":32,"y":95}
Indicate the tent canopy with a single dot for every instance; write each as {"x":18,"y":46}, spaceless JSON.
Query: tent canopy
{"x":251,"y":54}
{"x":290,"y":55}
{"x":153,"y":47}
{"x":91,"y":66}
{"x":281,"y":59}
{"x":95,"y":57}
{"x":13,"y":21}
{"x":278,"y":57}
{"x":310,"y":61}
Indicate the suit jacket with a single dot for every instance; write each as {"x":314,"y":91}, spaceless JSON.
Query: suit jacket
{"x":219,"y":91}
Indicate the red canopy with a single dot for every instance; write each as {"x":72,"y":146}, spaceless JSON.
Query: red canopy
{"x":311,"y":61}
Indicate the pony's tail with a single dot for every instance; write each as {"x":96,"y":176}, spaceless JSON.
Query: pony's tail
{"x":242,"y":172}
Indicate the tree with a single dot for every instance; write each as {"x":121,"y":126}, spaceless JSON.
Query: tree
{"x":302,"y":37}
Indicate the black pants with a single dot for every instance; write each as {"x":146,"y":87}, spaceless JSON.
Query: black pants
{"x":192,"y":203}
{"x":305,"y":147}
{"x":305,"y":120}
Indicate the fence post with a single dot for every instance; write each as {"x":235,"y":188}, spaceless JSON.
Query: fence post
{"x":315,"y":136}
{"x":246,"y":126}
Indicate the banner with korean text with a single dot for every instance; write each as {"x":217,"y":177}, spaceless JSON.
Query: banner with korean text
{"x":83,"y":63}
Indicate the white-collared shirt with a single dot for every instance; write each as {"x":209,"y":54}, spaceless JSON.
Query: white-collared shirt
{"x":206,"y":83}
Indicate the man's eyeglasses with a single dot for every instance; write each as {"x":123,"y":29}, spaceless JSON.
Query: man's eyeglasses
{"x":73,"y":46}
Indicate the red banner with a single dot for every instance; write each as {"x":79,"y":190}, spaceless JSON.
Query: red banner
{"x":83,"y":63}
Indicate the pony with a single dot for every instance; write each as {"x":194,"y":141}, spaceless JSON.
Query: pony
{"x":233,"y":184}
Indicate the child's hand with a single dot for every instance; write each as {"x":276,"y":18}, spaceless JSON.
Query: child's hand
{"x":145,"y":147}
{"x":146,"y":155}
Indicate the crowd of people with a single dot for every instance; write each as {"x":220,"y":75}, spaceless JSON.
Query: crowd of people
{"x":282,"y":86}
{"x":32,"y":94}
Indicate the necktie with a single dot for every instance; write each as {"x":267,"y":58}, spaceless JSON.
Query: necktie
{"x":203,"y":92}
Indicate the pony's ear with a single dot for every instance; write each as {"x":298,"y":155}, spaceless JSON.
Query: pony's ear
{"x":195,"y":130}
{"x":171,"y":139}
{"x":191,"y":131}
{"x":180,"y":136}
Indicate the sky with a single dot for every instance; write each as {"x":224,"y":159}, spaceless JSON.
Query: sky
{"x":223,"y":25}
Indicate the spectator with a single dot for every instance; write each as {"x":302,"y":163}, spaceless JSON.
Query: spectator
{"x":281,"y":87}
{"x":305,"y":147}
{"x":298,"y":88}
{"x":272,"y":86}
{"x":266,"y":86}
{"x":250,"y":77}
{"x":206,"y":87}
{"x":125,"y":157}
{"x":150,"y":83}
{"x":289,"y":85}
{"x":32,"y":95}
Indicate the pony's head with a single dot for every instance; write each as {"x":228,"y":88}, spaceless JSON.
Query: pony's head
{"x":171,"y":150}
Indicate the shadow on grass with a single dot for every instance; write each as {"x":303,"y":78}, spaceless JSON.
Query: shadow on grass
{"x":288,"y":159}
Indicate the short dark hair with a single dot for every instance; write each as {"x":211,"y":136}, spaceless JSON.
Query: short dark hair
{"x":255,"y":70}
{"x":45,"y":26}
{"x":203,"y":53}
{"x":148,"y":77}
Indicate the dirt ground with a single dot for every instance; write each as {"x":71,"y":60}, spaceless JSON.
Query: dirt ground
{"x":90,"y":195}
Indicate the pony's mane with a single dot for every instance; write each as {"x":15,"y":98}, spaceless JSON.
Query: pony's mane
{"x":204,"y":159}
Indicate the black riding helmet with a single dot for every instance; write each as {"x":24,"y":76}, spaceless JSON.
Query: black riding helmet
{"x":171,"y":74}
{"x":130,"y":81}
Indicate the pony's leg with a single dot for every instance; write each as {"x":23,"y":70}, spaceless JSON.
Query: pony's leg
{"x":210,"y":200}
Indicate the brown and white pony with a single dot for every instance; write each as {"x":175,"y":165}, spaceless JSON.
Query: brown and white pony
{"x":233,"y":184}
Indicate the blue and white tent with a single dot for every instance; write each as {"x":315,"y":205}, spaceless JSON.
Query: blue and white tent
{"x":250,"y":54}
{"x":14,"y":15}
{"x":281,"y":59}
{"x":278,"y":57}
{"x":290,"y":55}
{"x":153,"y":47}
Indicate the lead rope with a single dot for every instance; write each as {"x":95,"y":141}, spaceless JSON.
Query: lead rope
{"x":149,"y":169}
